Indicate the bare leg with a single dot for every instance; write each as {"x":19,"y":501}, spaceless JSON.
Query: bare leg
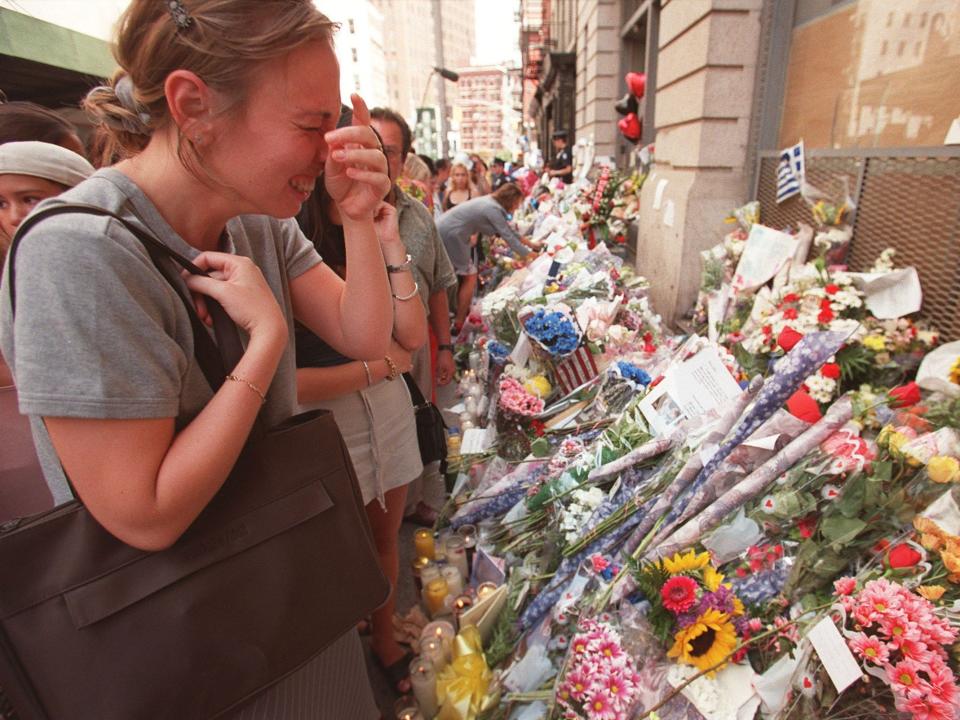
{"x":468,"y":285}
{"x":386,"y":532}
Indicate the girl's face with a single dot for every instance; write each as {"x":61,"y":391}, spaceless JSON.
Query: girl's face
{"x":270,"y":150}
{"x":19,"y":194}
{"x":459,"y":177}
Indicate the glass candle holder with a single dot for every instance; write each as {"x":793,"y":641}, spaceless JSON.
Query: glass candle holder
{"x":441,"y":631}
{"x":423,"y":678}
{"x":434,"y":594}
{"x":456,"y":553}
{"x":405,"y":708}
{"x":454,"y":579}
{"x":468,"y":533}
{"x":460,"y":606}
{"x":428,"y":571}
{"x":484,"y":589}
{"x":423,"y":543}
{"x":417,"y":565}
{"x":432,"y":650}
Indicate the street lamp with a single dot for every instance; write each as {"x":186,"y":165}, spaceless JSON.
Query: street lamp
{"x":442,"y":99}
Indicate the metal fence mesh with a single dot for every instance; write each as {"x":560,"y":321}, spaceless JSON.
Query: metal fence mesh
{"x":911,"y":204}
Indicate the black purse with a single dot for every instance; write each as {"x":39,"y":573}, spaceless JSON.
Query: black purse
{"x":279,"y":565}
{"x":431,"y":429}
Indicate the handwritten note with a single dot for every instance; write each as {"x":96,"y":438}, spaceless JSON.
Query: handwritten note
{"x":836,"y":657}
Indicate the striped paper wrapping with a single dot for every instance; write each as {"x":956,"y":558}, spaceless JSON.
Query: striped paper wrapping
{"x":576,"y":369}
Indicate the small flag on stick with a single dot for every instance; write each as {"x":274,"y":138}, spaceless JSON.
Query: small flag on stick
{"x":790,"y":172}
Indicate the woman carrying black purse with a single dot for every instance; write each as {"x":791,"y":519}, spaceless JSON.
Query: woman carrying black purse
{"x":225,"y":112}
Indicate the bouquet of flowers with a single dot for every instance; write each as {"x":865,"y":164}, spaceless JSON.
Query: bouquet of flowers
{"x":600,"y":681}
{"x":691,"y":603}
{"x":553,"y":330}
{"x":901,"y":639}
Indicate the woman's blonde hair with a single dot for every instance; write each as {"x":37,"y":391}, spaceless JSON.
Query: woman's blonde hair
{"x":221,"y":41}
{"x":416,"y":169}
{"x":465,"y":169}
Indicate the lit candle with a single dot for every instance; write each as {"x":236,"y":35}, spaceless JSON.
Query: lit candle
{"x":423,"y":543}
{"x":434,"y":593}
{"x":460,"y":605}
{"x":440,"y":630}
{"x":455,"y":551}
{"x":423,"y":678}
{"x":469,"y":535}
{"x":429,"y":571}
{"x":405,"y":708}
{"x":432,"y":650}
{"x":418,"y":565}
{"x":454,"y":579}
{"x":485,"y":589}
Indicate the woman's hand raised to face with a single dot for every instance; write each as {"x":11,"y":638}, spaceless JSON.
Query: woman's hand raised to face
{"x":356,"y":168}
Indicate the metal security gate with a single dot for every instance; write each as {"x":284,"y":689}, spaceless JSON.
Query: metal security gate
{"x":907,"y":199}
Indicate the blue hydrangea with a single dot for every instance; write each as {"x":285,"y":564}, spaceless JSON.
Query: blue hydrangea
{"x":631,"y":372}
{"x":553,"y":330}
{"x":498,"y":351}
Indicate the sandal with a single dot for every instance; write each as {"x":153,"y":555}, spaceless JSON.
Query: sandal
{"x":422,"y":515}
{"x":398,"y":673}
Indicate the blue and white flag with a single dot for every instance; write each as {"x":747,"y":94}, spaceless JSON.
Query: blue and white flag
{"x":790,"y":172}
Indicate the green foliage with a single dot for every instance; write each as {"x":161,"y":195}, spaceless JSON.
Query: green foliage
{"x":650,"y":578}
{"x":505,"y":634}
{"x":856,"y":364}
{"x":944,"y":414}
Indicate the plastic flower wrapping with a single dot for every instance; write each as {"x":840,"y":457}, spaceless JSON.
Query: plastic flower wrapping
{"x":760,"y":519}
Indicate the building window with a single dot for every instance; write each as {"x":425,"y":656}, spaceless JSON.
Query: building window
{"x":353,"y":54}
{"x":351,"y":26}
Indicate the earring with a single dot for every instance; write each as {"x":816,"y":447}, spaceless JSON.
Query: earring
{"x":198,"y":139}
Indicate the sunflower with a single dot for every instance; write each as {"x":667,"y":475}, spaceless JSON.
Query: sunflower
{"x":686,"y":562}
{"x":711,"y":578}
{"x":706,"y":642}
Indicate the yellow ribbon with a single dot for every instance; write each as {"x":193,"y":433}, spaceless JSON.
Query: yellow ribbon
{"x":463,"y":685}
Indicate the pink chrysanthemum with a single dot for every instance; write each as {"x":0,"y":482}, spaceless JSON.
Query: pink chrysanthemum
{"x":601,"y":707}
{"x":897,"y":627}
{"x":870,"y":648}
{"x":578,"y":684}
{"x":679,"y":593}
{"x":915,"y":650}
{"x":844,"y":586}
{"x":943,"y":684}
{"x":929,"y":708}
{"x":905,"y":679}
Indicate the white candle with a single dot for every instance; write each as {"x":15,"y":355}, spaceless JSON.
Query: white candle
{"x":455,"y":550}
{"x":433,"y":651}
{"x":423,"y":677}
{"x":440,"y":630}
{"x":454,"y":579}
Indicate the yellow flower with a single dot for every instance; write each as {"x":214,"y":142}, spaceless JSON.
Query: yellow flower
{"x":686,"y":562}
{"x":877,"y":343}
{"x":706,"y":643}
{"x":931,"y":592}
{"x":926,"y":526}
{"x":538,"y":385}
{"x":738,"y":608}
{"x":951,"y":561}
{"x":711,"y":578}
{"x":955,"y":372}
{"x":931,"y":542}
{"x":943,"y":469}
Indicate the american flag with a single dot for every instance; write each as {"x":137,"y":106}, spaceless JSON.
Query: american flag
{"x":790,"y":172}
{"x":576,"y":369}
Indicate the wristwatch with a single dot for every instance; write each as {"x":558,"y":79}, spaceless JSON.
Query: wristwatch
{"x":445,"y":346}
{"x":403,"y":267}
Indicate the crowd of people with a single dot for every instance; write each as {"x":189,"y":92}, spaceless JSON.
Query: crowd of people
{"x":346,"y":259}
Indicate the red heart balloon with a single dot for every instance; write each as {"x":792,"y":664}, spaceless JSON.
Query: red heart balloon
{"x":637,"y":84}
{"x":630,"y":126}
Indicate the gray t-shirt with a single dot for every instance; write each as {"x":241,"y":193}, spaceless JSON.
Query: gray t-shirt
{"x":480,"y":215}
{"x":99,"y":333}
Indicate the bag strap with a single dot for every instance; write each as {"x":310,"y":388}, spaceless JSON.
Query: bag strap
{"x":415,"y":395}
{"x":214,"y":359}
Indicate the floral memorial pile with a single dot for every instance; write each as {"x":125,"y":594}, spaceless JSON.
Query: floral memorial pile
{"x":759,"y":519}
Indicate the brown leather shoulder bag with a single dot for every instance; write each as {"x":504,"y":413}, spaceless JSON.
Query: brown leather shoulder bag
{"x":279,"y":565}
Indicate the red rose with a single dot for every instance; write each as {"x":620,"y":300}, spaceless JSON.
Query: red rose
{"x":767,"y":329}
{"x":790,"y":313}
{"x":804,"y":407}
{"x":825,"y":316}
{"x":903,"y":556}
{"x":905,"y":395}
{"x":825,"y":304}
{"x":830,"y":370}
{"x":807,"y":525}
{"x":791,"y":298}
{"x":788,"y":338}
{"x":831,"y":289}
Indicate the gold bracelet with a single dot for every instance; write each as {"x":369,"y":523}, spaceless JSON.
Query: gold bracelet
{"x":263,"y":398}
{"x":366,"y":369}
{"x":413,"y":293}
{"x":394,"y":370}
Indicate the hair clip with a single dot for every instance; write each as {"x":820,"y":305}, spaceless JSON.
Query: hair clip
{"x":179,"y":14}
